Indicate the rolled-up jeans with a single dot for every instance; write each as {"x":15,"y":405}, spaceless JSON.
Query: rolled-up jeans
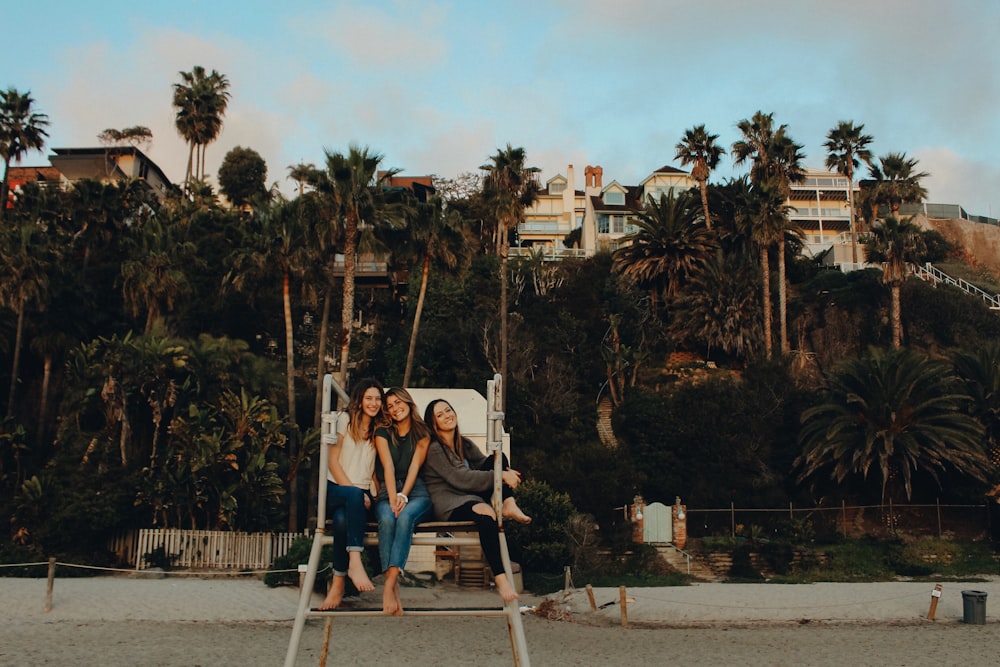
{"x":395,"y":534}
{"x":346,"y":507}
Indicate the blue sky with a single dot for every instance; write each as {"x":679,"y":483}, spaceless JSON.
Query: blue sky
{"x":437,"y":87}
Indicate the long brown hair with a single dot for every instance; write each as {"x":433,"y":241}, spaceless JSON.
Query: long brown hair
{"x":418,"y":427}
{"x":460,"y":442}
{"x":355,"y":410}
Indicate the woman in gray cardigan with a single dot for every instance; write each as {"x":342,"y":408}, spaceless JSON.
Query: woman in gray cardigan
{"x":459,"y":478}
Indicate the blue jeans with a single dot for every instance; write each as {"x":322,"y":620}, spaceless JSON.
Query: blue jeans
{"x":395,"y":534}
{"x":345,"y":505}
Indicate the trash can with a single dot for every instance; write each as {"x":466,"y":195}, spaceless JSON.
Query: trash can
{"x":974,"y":607}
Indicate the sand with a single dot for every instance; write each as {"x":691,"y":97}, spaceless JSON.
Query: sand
{"x":119,"y":620}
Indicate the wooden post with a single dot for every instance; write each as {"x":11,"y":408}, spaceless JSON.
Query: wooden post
{"x":935,"y":596}
{"x":49,"y":585}
{"x":326,"y":641}
{"x":623,"y":603}
{"x":590,"y":596}
{"x":567,"y":579}
{"x":732,"y":517}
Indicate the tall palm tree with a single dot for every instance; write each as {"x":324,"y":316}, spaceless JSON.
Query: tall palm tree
{"x":508,"y":189}
{"x":896,"y":244}
{"x":897,"y":181}
{"x":698,"y":148}
{"x":435,"y":235}
{"x":776,"y":164}
{"x":356,"y":185}
{"x":893,"y":414}
{"x":21,"y":130}
{"x":979,"y":372}
{"x":769,"y":222}
{"x":846,"y":148}
{"x":200,"y":99}
{"x":154,"y":277}
{"x":668,"y":248}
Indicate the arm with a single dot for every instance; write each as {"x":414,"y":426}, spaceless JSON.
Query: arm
{"x":456,"y":475}
{"x":339,"y":476}
{"x":419,"y":455}
{"x":388,"y":469}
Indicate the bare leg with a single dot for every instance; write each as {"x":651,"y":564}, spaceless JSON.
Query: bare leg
{"x":356,"y":571}
{"x":390,"y":605}
{"x":512,"y":511}
{"x":335,"y":595}
{"x":504,"y":588}
{"x":399,"y":601}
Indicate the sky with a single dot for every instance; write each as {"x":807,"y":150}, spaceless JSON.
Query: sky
{"x":437,"y":87}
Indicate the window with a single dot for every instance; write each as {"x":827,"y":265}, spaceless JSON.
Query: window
{"x":618,"y":224}
{"x":614,"y":197}
{"x":556,"y":187}
{"x":603,"y":224}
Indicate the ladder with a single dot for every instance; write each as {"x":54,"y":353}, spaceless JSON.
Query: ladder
{"x":431,"y":533}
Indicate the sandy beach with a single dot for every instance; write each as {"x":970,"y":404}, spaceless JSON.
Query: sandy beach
{"x":175,"y":621}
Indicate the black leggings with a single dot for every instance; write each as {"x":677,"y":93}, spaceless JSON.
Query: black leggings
{"x":489,"y":530}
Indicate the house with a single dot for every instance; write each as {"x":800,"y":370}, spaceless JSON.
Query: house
{"x":111,"y":163}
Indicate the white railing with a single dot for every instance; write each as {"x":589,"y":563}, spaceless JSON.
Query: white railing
{"x":548,"y":254}
{"x":935,"y":276}
{"x":213,"y":549}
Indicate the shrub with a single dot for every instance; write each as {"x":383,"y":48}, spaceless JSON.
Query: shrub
{"x":542,"y":545}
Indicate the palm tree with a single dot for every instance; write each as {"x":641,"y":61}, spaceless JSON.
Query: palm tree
{"x":893,"y":414}
{"x":897,"y":181}
{"x":21,"y":130}
{"x":979,"y":372}
{"x":776,"y":164}
{"x":155,"y":275}
{"x":698,"y":148}
{"x":27,"y":254}
{"x":356,"y":186}
{"x":769,"y":222}
{"x":435,"y":235}
{"x":508,"y":188}
{"x":201,"y":100}
{"x":846,"y":148}
{"x":668,"y":248}
{"x":897,"y":244}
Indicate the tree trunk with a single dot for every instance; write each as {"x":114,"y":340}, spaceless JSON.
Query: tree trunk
{"x":321,"y":358}
{"x":4,"y":187}
{"x":703,"y":186}
{"x":17,"y":358}
{"x":897,"y":318}
{"x":782,"y":297}
{"x":504,"y":250}
{"x":854,"y":231}
{"x":347,"y":311}
{"x":765,"y":269}
{"x":43,"y":402}
{"x":416,"y":320}
{"x":293,"y":473}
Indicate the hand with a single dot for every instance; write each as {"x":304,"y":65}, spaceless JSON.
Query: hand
{"x":511,"y":478}
{"x":368,"y":502}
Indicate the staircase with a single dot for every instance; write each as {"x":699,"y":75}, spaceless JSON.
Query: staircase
{"x":679,"y":560}
{"x":604,"y":430}
{"x":935,"y":276}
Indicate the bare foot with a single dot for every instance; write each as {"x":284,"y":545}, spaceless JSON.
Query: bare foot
{"x":399,"y":601}
{"x":512,"y":511}
{"x":335,"y":595}
{"x":390,"y":605}
{"x":504,"y":588}
{"x":360,"y":578}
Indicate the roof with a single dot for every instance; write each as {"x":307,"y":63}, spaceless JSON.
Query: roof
{"x":79,"y":163}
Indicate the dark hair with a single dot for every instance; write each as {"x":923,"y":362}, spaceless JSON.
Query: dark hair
{"x":418,"y":427}
{"x":355,"y":411}
{"x":460,"y":442}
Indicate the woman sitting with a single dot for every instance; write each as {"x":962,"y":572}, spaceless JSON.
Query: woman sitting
{"x":402,"y":500}
{"x":348,"y":488}
{"x":459,"y":478}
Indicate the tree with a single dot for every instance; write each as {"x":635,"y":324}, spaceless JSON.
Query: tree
{"x":896,"y":181}
{"x":776,"y":164}
{"x":201,"y":100}
{"x":435,"y":235}
{"x":769,"y":219}
{"x":846,"y":148}
{"x":896,"y":244}
{"x":508,"y":188}
{"x":21,"y":130}
{"x":890,"y":415}
{"x":668,"y":248}
{"x":979,"y":372}
{"x":243,"y":176}
{"x":154,"y":277}
{"x":355,"y":185}
{"x":137,"y":135}
{"x":698,"y":148}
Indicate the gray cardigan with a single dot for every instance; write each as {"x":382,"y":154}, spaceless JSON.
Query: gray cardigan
{"x":451,"y":483}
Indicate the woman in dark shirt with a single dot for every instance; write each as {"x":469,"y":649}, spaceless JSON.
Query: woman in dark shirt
{"x":459,"y":478}
{"x":402,"y":500}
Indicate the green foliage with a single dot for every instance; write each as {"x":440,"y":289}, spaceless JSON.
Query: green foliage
{"x":243,"y":176}
{"x":541,"y":545}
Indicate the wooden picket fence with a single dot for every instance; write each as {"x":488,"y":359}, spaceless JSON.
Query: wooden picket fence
{"x":210,"y":549}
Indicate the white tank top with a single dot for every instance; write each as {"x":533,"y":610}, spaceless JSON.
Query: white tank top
{"x":356,"y":458}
